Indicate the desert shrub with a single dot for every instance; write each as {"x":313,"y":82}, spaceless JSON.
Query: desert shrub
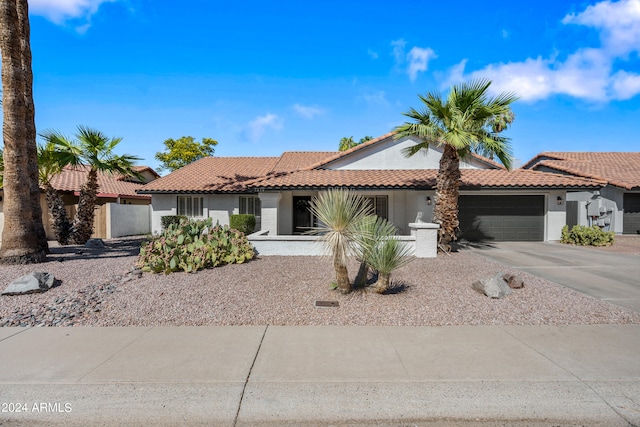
{"x":192,"y":245}
{"x":243,"y":222}
{"x":587,"y":236}
{"x":167,"y":220}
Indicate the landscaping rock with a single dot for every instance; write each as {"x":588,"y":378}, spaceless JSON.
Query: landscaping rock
{"x":95,"y":243}
{"x":514,"y":282}
{"x":29,"y":284}
{"x":493,"y":287}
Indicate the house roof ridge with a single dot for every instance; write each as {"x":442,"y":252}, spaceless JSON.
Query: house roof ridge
{"x":558,"y":164}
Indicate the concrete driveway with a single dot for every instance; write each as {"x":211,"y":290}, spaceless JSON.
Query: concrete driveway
{"x":609,"y":276}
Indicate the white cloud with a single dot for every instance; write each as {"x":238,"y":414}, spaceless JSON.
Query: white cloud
{"x":398,"y":51}
{"x":505,"y":34}
{"x":59,"y":11}
{"x":372,"y":54}
{"x":619,"y":23}
{"x":307,"y":111}
{"x":376,"y":98}
{"x":588,"y":73}
{"x":419,"y":60}
{"x":257,"y":126}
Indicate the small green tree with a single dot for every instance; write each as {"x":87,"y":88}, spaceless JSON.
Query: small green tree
{"x":347,"y":143}
{"x":183,"y":151}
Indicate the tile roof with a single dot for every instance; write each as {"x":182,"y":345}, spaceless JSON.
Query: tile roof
{"x":231,"y":174}
{"x":71,"y":179}
{"x":616,"y":168}
{"x":420,"y":179}
{"x":213,"y":175}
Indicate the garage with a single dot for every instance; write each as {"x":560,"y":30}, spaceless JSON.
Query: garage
{"x":501,"y":218}
{"x":631,"y":216}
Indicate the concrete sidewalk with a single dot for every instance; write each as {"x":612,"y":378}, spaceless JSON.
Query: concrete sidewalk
{"x":259,"y":375}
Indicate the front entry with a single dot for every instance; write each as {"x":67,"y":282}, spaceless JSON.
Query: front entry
{"x":302,"y":216}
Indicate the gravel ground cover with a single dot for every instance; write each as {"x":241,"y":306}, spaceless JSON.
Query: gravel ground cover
{"x":97,"y":288}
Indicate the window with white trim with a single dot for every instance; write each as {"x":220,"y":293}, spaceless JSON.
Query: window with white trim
{"x":379,"y":204}
{"x":190,"y":206}
{"x":250,"y":205}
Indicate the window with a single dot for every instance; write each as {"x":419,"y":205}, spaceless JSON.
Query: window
{"x":380,"y":205}
{"x":250,"y":205}
{"x":190,"y":206}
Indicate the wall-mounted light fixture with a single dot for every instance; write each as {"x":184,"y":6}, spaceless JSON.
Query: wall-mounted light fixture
{"x":559,"y":199}
{"x":428,"y":200}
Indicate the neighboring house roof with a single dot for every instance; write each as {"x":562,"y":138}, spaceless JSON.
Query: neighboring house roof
{"x":615,"y":168}
{"x":421,"y":179}
{"x":71,"y":179}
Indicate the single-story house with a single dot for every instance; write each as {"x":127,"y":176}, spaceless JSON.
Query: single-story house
{"x":495,"y":204}
{"x":112,"y":189}
{"x":616,"y":206}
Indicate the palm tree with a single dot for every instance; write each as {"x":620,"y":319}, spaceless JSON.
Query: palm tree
{"x":339,"y":212}
{"x":468,"y":120}
{"x":94,"y":151}
{"x":50,"y":165}
{"x":347,"y":143}
{"x":23,"y":238}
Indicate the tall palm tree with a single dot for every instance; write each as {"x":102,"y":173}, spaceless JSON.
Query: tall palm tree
{"x":339,"y":213}
{"x":467,"y":121}
{"x":346,"y":143}
{"x":94,"y":151}
{"x":23,"y":238}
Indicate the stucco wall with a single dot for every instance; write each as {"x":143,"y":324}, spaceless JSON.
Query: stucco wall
{"x":388,"y":154}
{"x":127,"y":220}
{"x":161,"y":205}
{"x":220,"y":207}
{"x":556,"y":215}
{"x":610,"y":198}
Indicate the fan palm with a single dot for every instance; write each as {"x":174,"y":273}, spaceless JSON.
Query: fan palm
{"x":50,"y":165}
{"x":467,"y":121}
{"x":95,"y":151}
{"x":339,"y":212}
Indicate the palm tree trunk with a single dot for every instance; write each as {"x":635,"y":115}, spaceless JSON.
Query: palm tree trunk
{"x":83,"y":222}
{"x":361,"y":278}
{"x":61,"y":223}
{"x":20,"y":242}
{"x":382,"y":284}
{"x":342,"y":276}
{"x":29,"y":125}
{"x":445,"y":211}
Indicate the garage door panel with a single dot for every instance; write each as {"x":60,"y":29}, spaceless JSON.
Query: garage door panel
{"x":631,"y":216}
{"x":502,"y":218}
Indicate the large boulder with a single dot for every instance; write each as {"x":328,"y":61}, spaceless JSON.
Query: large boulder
{"x":493,"y":287}
{"x":29,"y":284}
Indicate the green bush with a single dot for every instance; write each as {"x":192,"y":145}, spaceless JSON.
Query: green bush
{"x":192,"y":245}
{"x":167,"y":220}
{"x":587,"y":236}
{"x":243,"y":222}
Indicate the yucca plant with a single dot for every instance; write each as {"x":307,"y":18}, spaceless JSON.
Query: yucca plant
{"x":339,"y":211}
{"x":373,"y":230}
{"x":389,"y":255}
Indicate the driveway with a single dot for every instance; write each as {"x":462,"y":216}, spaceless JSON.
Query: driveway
{"x":608,"y":276}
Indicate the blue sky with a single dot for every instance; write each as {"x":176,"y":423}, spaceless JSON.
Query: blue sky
{"x":267,"y":77}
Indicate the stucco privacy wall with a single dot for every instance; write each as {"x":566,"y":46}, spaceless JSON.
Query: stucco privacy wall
{"x":389,"y":154}
{"x":127,"y":220}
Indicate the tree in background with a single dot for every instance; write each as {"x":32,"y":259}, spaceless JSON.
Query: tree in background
{"x":23,"y":237}
{"x":50,"y":165}
{"x":183,"y":151}
{"x":94,"y":151}
{"x":347,"y":143}
{"x":467,"y":121}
